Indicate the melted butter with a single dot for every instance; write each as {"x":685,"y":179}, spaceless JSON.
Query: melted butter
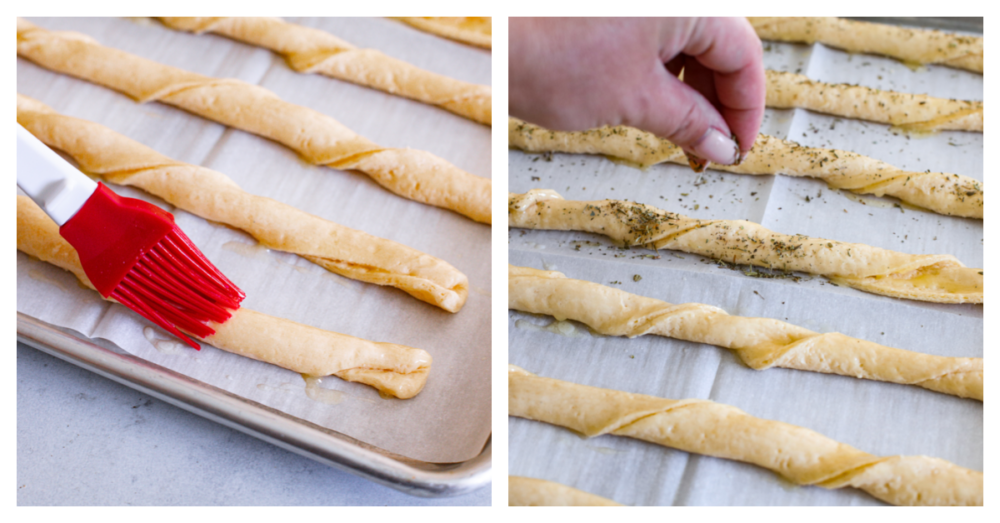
{"x":913,"y":131}
{"x":928,"y":280}
{"x":627,"y":163}
{"x":956,"y":284}
{"x":165,"y":346}
{"x":916,"y":67}
{"x":563,"y":328}
{"x":911,"y":207}
{"x":930,"y":126}
{"x":871,"y":201}
{"x":249,"y":250}
{"x":256,"y":250}
{"x":140,"y":20}
{"x":317,"y":393}
{"x":39,"y":275}
{"x":786,"y":484}
{"x":287,"y":258}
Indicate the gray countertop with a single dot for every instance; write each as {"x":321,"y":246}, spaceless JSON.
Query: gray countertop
{"x":85,"y":440}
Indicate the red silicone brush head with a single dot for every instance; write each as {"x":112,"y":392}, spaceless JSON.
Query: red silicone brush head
{"x":133,"y":251}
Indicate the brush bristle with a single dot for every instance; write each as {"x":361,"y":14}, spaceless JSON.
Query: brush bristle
{"x":134,"y":252}
{"x":176,"y":287}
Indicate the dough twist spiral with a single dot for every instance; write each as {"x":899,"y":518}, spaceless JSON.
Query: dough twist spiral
{"x":938,"y":278}
{"x":319,"y":139}
{"x":309,"y":50}
{"x":213,"y":196}
{"x":761,"y":343}
{"x":531,"y":492}
{"x":942,"y":193}
{"x":395,"y":370}
{"x":714,"y":429}
{"x":908,"y":112}
{"x":912,"y":46}
{"x":472,"y":30}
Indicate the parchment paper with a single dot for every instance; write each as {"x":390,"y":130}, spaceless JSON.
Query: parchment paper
{"x":881,"y":418}
{"x":450,"y":420}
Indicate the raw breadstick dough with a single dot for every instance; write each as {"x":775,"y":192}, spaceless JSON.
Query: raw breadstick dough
{"x":215,"y":197}
{"x":916,"y":112}
{"x":939,"y":192}
{"x":713,"y":429}
{"x":309,"y":50}
{"x":319,"y":139}
{"x":912,"y":46}
{"x":531,"y":492}
{"x":395,"y":370}
{"x":760,"y":342}
{"x":474,"y":30}
{"x":937,"y":278}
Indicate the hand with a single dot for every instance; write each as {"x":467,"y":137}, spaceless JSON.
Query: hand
{"x":573,"y":74}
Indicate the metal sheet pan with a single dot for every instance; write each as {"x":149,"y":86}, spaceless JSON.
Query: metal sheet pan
{"x":288,"y":432}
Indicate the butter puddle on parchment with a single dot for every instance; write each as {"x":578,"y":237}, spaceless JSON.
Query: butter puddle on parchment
{"x":166,"y":346}
{"x":317,"y":393}
{"x":247,"y":250}
{"x":257,"y":250}
{"x":312,"y":389}
{"x":560,"y":327}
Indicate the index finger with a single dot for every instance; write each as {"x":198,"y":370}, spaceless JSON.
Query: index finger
{"x":731,"y":49}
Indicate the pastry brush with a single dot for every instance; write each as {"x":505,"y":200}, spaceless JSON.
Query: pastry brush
{"x":131,"y":251}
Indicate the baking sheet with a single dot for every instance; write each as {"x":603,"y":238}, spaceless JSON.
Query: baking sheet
{"x":880,"y":418}
{"x":450,"y":420}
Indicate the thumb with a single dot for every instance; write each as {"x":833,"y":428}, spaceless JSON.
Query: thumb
{"x":671,"y":109}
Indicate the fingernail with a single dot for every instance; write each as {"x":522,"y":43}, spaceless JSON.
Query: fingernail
{"x":717,"y":147}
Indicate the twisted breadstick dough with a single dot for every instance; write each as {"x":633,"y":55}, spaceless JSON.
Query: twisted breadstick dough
{"x":310,"y":50}
{"x":713,"y":429}
{"x":531,"y":492}
{"x":761,"y":343}
{"x":319,"y":139}
{"x":913,"y":46}
{"x":939,"y":192}
{"x":917,"y":112}
{"x":473,"y":30}
{"x":938,"y":278}
{"x":213,"y":196}
{"x":395,"y":370}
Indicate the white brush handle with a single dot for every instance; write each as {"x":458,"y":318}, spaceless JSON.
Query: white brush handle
{"x":55,"y":185}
